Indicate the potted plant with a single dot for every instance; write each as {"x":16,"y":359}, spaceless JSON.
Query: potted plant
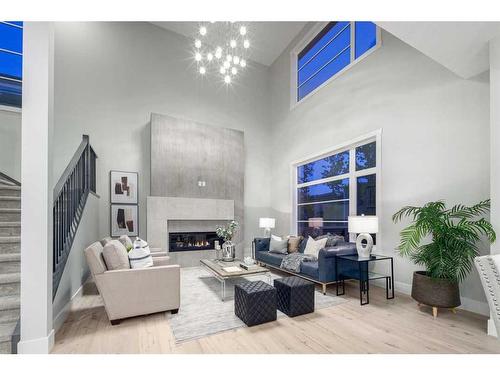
{"x":227,"y":233}
{"x":445,"y":242}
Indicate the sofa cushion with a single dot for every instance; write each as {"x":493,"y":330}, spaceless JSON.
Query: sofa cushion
{"x":278,"y":246}
{"x":262,"y":244}
{"x":115,"y":255}
{"x":126,"y":241}
{"x":94,"y":257}
{"x":294,"y":243}
{"x":310,"y":269}
{"x":140,"y":255}
{"x":313,"y":247}
{"x":105,"y":240}
{"x":272,"y":259}
{"x":302,"y":245}
{"x":332,"y":239}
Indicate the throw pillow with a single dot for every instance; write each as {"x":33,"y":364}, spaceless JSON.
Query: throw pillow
{"x":140,"y":255}
{"x":126,"y":241}
{"x":293,"y":243}
{"x":313,"y":247}
{"x":105,"y":240}
{"x":276,"y":238}
{"x":279,"y":247}
{"x":115,"y":256}
{"x":332,"y":239}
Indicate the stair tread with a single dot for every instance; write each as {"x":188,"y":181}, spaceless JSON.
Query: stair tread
{"x":10,"y":239}
{"x":10,"y":187}
{"x":9,"y":278}
{"x":14,"y":257}
{"x":10,"y":302}
{"x":9,"y":198}
{"x":10,"y":224}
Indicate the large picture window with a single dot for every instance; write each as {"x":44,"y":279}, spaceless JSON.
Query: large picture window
{"x":11,"y":63}
{"x":336,"y":46}
{"x":331,"y":187}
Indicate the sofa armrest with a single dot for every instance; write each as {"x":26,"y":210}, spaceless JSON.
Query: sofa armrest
{"x":348,"y":248}
{"x":161,"y":261}
{"x":139,"y":291}
{"x":327,"y":260}
{"x":158,"y":252}
{"x":261,"y":244}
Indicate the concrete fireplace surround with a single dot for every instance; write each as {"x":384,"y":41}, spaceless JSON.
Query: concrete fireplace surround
{"x":185,"y":214}
{"x":197,"y":182}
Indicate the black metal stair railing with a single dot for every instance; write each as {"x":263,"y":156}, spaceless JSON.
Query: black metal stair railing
{"x":70,"y":197}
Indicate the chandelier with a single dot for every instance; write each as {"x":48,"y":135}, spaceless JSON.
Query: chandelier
{"x":221,"y":49}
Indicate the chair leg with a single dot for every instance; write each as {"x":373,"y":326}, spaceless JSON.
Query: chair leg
{"x":115,"y":322}
{"x":174,"y":311}
{"x":435,"y":312}
{"x":324,"y":289}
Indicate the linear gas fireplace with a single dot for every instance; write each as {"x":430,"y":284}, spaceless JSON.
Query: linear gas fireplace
{"x":191,"y":241}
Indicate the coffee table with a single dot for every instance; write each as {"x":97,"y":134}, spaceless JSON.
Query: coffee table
{"x":216,"y":268}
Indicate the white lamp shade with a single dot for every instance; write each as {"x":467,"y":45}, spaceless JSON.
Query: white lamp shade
{"x":363,"y":224}
{"x":315,"y":222}
{"x":267,"y":222}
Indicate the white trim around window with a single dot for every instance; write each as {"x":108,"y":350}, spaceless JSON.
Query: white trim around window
{"x":352,"y":175}
{"x":311,"y":34}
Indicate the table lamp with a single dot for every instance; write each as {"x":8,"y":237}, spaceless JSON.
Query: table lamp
{"x":267,"y":223}
{"x":363,"y":225}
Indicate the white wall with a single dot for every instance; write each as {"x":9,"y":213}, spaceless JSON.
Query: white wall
{"x":435,"y":140}
{"x":76,"y":271}
{"x":10,"y":143}
{"x":111,"y":76}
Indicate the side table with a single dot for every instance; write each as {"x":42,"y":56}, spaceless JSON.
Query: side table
{"x":358,"y":268}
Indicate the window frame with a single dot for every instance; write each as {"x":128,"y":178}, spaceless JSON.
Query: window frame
{"x":352,"y":175}
{"x":311,"y":34}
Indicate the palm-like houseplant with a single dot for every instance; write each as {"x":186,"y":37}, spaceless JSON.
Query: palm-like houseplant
{"x":449,"y":255}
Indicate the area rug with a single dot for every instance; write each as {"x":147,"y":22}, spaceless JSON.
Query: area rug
{"x":203,"y":313}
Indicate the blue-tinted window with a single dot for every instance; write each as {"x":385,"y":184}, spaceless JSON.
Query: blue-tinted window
{"x":366,"y":156}
{"x":328,"y":191}
{"x":332,"y":211}
{"x":11,"y":62}
{"x":330,"y":52}
{"x":366,"y":195}
{"x":366,"y":37}
{"x":327,"y":167}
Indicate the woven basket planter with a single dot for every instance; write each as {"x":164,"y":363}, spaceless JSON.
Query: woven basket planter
{"x":435,"y":292}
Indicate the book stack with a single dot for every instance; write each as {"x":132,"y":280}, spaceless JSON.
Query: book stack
{"x":249,"y":267}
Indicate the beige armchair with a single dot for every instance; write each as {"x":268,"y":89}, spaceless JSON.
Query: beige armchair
{"x":133,"y":292}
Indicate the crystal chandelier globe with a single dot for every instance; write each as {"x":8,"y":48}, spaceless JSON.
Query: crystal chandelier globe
{"x":221,"y":49}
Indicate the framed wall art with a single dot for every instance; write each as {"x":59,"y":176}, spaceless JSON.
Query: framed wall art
{"x":124,"y":187}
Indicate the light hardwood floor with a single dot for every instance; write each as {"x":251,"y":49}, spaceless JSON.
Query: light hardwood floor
{"x":394,"y":326}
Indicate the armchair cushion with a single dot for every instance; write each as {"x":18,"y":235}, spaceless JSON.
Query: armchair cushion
{"x":115,"y":255}
{"x":94,"y":257}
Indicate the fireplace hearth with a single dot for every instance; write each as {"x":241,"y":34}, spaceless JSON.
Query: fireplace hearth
{"x":192,"y":241}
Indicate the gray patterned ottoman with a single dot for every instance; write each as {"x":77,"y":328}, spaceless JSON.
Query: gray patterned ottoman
{"x":255,"y":302}
{"x":295,"y":296}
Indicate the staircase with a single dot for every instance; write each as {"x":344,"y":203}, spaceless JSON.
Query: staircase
{"x":10,"y":263}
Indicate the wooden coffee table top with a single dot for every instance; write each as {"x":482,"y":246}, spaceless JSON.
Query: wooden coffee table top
{"x":217,"y":266}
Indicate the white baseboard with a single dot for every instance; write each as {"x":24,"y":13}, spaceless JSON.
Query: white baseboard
{"x":492,"y":330}
{"x":42,"y":345}
{"x":63,"y":314}
{"x":468,"y":304}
